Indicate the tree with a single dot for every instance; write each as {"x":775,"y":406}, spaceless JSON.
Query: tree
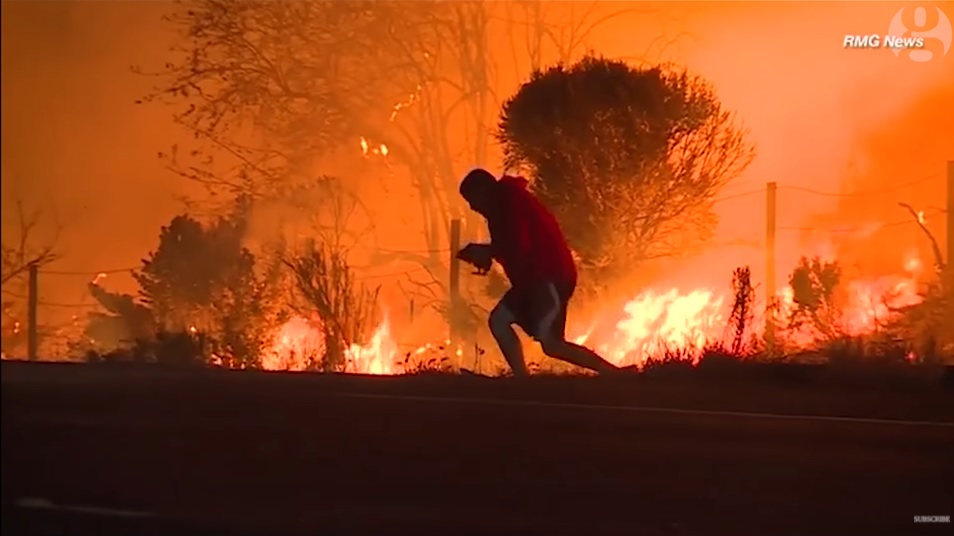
{"x":19,"y":249}
{"x":203,"y":279}
{"x":628,"y":158}
{"x":930,"y":323}
{"x":192,"y":266}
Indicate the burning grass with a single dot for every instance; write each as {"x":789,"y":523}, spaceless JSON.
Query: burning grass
{"x":336,"y":325}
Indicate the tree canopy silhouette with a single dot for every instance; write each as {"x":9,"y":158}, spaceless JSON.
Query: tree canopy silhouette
{"x":628,"y":158}
{"x":191,"y":268}
{"x":202,"y":278}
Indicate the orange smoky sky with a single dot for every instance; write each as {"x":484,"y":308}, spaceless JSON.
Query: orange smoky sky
{"x":822,"y":117}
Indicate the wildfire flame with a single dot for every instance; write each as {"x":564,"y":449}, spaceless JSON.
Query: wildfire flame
{"x":687,"y":321}
{"x":379,"y":356}
{"x":653,"y":322}
{"x":300,"y":343}
{"x":294,"y":345}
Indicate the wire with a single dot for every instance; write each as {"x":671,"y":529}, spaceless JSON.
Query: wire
{"x":418,"y":251}
{"x":95,"y":272}
{"x":134,"y":268}
{"x":863,"y":192}
{"x":738,"y":195}
{"x":52,"y":304}
{"x":831,"y":194}
{"x":68,"y":305}
{"x":394,"y":274}
{"x":873,"y":226}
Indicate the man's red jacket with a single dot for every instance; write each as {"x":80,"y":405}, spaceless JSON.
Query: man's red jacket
{"x":527,"y":240}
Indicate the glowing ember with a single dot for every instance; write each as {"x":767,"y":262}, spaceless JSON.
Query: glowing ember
{"x":368,"y":150}
{"x":411,"y":99}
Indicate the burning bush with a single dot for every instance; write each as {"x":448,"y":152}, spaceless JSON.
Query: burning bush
{"x":884,"y":320}
{"x":346,"y":312}
{"x":813,"y":284}
{"x":929,"y":325}
{"x":200,"y":280}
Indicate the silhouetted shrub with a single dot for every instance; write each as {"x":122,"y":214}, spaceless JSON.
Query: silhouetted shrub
{"x":175,"y":349}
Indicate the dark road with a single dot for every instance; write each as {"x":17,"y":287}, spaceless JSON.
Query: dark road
{"x":215,"y":453}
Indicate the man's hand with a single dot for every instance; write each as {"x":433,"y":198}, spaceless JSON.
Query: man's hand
{"x":477,"y":255}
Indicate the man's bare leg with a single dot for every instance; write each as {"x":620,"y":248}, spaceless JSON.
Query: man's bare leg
{"x":554,"y":341}
{"x":578,"y":355}
{"x":501,"y":327}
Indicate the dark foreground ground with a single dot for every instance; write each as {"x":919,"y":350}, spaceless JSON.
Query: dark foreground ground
{"x":211,"y":452}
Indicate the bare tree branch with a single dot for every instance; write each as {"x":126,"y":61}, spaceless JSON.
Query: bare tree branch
{"x":919,"y":219}
{"x":21,"y":250}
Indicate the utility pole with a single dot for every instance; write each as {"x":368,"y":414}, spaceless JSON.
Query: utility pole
{"x":32,"y":302}
{"x":950,"y":216}
{"x":770,"y":305}
{"x":454,"y":279}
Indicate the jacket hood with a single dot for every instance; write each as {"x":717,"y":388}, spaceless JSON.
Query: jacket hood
{"x":511,"y":181}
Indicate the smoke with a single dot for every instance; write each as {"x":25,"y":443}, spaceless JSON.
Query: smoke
{"x":902,"y":160}
{"x":827,"y":122}
{"x":74,"y":143}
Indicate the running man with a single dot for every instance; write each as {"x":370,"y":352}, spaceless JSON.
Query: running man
{"x":527,"y":242}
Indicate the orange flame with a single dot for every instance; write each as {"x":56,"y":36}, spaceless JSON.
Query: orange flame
{"x":368,"y":150}
{"x":688,"y":321}
{"x":296,"y":343}
{"x":299,"y":343}
{"x":653,"y":322}
{"x":376,"y":357}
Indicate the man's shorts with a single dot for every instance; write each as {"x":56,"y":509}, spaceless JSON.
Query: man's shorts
{"x":540,"y":309}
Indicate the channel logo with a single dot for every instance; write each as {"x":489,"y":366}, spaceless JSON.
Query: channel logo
{"x":922,"y":21}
